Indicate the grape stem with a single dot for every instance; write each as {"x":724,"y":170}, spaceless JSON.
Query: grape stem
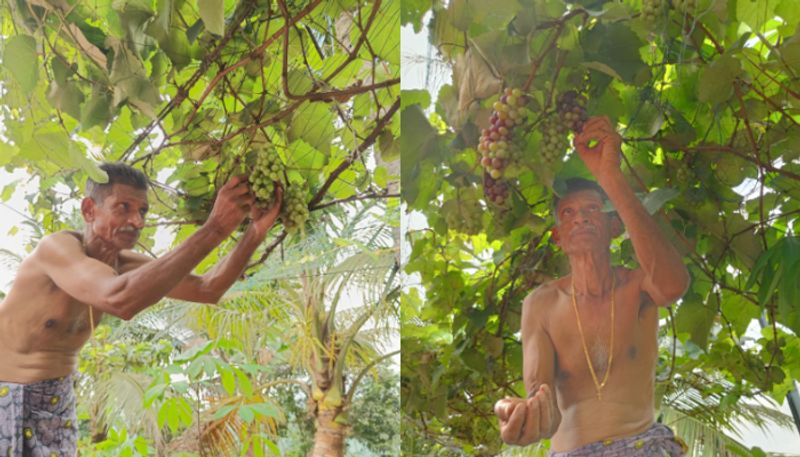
{"x":559,"y":25}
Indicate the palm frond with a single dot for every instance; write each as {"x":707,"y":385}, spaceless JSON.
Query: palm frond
{"x":704,"y":440}
{"x":9,"y":259}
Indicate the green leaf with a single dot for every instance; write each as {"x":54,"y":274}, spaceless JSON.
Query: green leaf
{"x":222,"y":412}
{"x":654,"y":200}
{"x":245,"y":386}
{"x":247,"y":414}
{"x":381,"y":176}
{"x":8,"y":191}
{"x":97,"y":110}
{"x":716,"y":79}
{"x":755,"y":12}
{"x":20,"y":58}
{"x":227,"y":378}
{"x":384,"y":35}
{"x":264,"y":409}
{"x":603,"y":68}
{"x":314,"y":124}
{"x":415,"y":97}
{"x":164,"y":16}
{"x":306,"y":159}
{"x":67,"y":98}
{"x":695,"y":318}
{"x":615,"y":46}
{"x":213,"y":14}
{"x":7,"y":152}
{"x":492,"y":14}
{"x":411,"y":12}
{"x":176,"y":47}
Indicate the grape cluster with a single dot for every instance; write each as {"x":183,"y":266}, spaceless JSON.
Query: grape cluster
{"x":465,"y":216}
{"x":294,"y":212}
{"x":498,"y":146}
{"x":684,"y":175}
{"x":496,"y":191}
{"x":685,"y":6}
{"x":572,"y":110}
{"x":554,"y":139}
{"x":652,"y":10}
{"x":268,"y":170}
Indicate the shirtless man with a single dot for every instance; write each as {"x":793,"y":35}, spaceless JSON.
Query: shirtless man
{"x":64,"y":287}
{"x":589,"y":338}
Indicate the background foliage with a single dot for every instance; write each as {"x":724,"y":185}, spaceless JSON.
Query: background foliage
{"x":706,"y":97}
{"x":185,"y":90}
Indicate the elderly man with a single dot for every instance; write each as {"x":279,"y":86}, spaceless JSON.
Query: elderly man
{"x":589,"y":338}
{"x":64,"y":287}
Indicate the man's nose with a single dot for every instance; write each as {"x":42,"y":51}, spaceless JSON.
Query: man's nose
{"x":136,"y":220}
{"x":582,"y":216}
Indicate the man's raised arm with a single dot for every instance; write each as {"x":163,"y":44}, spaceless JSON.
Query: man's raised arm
{"x":210,"y":287}
{"x":665,"y":276}
{"x":63,"y":259}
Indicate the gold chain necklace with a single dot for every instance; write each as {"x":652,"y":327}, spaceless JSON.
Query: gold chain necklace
{"x":598,"y":385}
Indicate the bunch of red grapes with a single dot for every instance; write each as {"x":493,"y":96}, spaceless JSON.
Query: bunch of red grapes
{"x":496,"y":191}
{"x":497,"y":145}
{"x":572,"y":110}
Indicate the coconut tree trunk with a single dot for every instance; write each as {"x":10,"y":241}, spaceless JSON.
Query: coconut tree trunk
{"x":329,"y":437}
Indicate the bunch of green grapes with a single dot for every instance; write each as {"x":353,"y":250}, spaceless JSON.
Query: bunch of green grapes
{"x":465,"y":216}
{"x":496,"y":191}
{"x":497,"y":144}
{"x":294,"y":213}
{"x":572,"y":110}
{"x":554,"y":139}
{"x":267,"y":172}
{"x":685,"y":6}
{"x":652,"y":10}
{"x":684,"y":176}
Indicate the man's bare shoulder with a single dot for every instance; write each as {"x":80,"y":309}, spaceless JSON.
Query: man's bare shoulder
{"x":58,"y":243}
{"x":542,"y":298}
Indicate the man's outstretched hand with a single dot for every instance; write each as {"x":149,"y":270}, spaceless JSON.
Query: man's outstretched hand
{"x":603,"y":157}
{"x":233,"y":202}
{"x":264,"y":218}
{"x":526,"y":421}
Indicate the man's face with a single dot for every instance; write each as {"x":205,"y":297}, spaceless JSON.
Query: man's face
{"x":582,"y":225}
{"x":119,"y":218}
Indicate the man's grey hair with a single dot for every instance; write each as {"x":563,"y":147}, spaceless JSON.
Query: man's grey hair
{"x":118,"y":173}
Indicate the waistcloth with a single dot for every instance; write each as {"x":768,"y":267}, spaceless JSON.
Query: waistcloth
{"x":657,"y":441}
{"x":38,"y":419}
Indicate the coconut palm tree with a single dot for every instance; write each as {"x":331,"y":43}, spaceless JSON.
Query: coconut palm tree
{"x":342,"y":301}
{"x":331,"y":299}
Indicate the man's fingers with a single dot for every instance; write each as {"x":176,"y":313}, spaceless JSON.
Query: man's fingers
{"x":235,"y":181}
{"x":531,"y":432}
{"x":513,"y":428}
{"x":502,"y":408}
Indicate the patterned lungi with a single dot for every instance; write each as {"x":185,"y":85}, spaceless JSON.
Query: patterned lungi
{"x":38,"y":420}
{"x":657,"y":441}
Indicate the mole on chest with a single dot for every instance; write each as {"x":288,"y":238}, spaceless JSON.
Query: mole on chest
{"x":72,"y":326}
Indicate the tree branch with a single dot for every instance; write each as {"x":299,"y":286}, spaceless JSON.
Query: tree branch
{"x":368,"y":141}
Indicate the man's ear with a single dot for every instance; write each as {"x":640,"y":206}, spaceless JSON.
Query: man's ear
{"x":554,"y":235}
{"x":88,"y":208}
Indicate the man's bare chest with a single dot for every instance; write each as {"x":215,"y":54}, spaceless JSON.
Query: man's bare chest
{"x":584,"y":332}
{"x":45,"y":311}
